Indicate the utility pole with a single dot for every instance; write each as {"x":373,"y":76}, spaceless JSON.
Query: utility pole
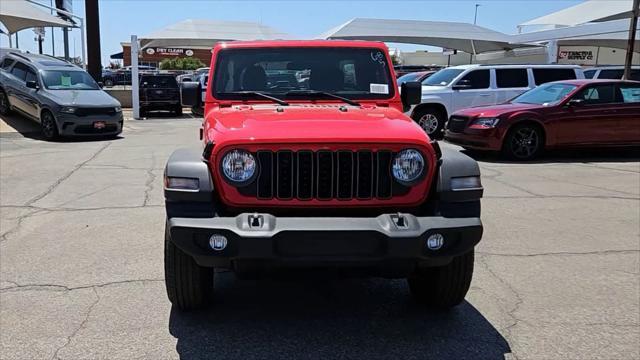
{"x":633,"y":24}
{"x":92,"y":21}
{"x":475,"y":21}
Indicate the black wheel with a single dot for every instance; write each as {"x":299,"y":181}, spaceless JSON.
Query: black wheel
{"x":108,"y":83}
{"x":443,"y":286}
{"x":523,"y":142}
{"x":48,"y":125}
{"x":5,"y":108}
{"x":178,"y":110}
{"x":189,"y":286}
{"x":431,"y":120}
{"x":197,"y":111}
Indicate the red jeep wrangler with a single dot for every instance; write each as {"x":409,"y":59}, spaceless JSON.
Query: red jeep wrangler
{"x":308,"y":162}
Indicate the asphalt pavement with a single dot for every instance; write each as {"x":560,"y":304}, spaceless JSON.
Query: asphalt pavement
{"x":81,"y":266}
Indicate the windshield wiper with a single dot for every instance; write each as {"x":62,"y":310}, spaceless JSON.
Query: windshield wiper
{"x":322,"y":93}
{"x":259,"y":94}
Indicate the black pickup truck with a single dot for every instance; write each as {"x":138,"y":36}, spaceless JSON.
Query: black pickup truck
{"x":159,"y":92}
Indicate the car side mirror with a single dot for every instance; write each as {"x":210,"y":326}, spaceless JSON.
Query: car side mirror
{"x":190,"y":93}
{"x":462,"y":84}
{"x":32,"y":84}
{"x":575,"y":102}
{"x":411,"y":93}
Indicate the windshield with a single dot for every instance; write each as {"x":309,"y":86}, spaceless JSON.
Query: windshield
{"x":409,"y":77}
{"x":442,"y":77}
{"x":353,"y":73}
{"x":68,"y":80}
{"x":547,"y":94}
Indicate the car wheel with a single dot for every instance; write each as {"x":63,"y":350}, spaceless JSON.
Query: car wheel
{"x":523,"y":142}
{"x":431,"y":121}
{"x":178,"y":110}
{"x":443,"y":286}
{"x":48,"y":125}
{"x":108,"y":83}
{"x":5,"y":108}
{"x":189,"y":286}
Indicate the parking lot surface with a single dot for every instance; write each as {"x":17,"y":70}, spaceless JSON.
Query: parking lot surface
{"x":81,"y":266}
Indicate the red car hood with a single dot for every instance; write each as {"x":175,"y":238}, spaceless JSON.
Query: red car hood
{"x":496,"y":110}
{"x":311,"y":123}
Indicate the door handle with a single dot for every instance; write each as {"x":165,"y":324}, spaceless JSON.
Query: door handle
{"x":484,"y":94}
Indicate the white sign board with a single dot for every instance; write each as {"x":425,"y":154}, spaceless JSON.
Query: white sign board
{"x":578,"y":55}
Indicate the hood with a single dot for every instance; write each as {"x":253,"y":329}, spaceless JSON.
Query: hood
{"x":312,"y":123}
{"x":426,"y":89}
{"x":89,"y":98}
{"x":496,"y":110}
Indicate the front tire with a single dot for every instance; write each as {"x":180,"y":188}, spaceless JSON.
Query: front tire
{"x":5,"y":107}
{"x":108,"y":83}
{"x":178,"y":110}
{"x":443,"y":286}
{"x":523,"y":142}
{"x":48,"y":126}
{"x":431,"y":120}
{"x":189,"y":286}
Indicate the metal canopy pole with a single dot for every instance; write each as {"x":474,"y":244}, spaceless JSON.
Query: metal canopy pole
{"x":633,"y":24}
{"x":135,"y":80}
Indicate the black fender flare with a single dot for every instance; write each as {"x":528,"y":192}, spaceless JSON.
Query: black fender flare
{"x":187,"y":163}
{"x":454,"y":164}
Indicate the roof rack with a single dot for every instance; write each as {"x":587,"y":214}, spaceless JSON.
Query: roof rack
{"x":20,"y":56}
{"x":55,"y":58}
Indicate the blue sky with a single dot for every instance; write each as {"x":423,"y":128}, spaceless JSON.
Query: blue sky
{"x":121,"y":18}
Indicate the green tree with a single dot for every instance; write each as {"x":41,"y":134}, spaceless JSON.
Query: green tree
{"x":188,"y":63}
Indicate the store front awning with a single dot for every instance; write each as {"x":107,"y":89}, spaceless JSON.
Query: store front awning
{"x":461,"y":36}
{"x":117,"y":56}
{"x":205,"y":33}
{"x":17,"y":15}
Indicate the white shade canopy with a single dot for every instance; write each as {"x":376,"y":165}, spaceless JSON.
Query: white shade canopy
{"x":461,"y":36}
{"x":588,"y":11}
{"x":612,"y":34}
{"x":205,"y":33}
{"x":16,"y":15}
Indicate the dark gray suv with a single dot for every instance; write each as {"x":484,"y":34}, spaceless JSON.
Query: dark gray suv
{"x":62,"y":97}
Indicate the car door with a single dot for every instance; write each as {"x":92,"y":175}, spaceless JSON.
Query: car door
{"x":510,"y":82}
{"x":628,"y":113}
{"x":16,"y":87}
{"x":473,"y":89}
{"x":589,"y":117}
{"x":30,"y":98}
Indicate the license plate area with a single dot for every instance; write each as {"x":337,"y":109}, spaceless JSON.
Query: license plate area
{"x":325,"y":244}
{"x":99,"y":125}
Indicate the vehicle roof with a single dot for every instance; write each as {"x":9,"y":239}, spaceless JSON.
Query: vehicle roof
{"x":580,"y":82}
{"x":302,"y":43}
{"x":512,"y":66}
{"x":611,"y":67}
{"x":44,"y":62}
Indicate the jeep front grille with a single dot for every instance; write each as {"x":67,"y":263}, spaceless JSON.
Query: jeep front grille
{"x":324,"y":175}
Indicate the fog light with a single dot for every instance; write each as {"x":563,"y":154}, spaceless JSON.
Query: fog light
{"x":435,"y":241}
{"x":217,"y":242}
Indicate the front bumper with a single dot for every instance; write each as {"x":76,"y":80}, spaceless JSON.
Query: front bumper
{"x":480,"y":139}
{"x":72,"y":125}
{"x":325,"y":242}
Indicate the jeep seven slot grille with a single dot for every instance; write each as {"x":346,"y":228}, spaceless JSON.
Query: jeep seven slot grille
{"x":324,"y":175}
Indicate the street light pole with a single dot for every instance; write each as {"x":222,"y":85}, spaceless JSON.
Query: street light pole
{"x":475,"y":16}
{"x":633,"y":24}
{"x":475,"y":20}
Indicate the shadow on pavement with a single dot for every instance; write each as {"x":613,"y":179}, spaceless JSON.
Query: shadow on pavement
{"x":594,"y":155}
{"x":325,"y":319}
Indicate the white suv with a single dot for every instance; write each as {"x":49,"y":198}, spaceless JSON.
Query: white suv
{"x":464,"y":86}
{"x":611,"y":72}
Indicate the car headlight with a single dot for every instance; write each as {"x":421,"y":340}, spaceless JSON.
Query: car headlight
{"x":485,"y":122}
{"x":408,"y":165}
{"x":238,"y":166}
{"x":118,"y":109}
{"x":68,"y":110}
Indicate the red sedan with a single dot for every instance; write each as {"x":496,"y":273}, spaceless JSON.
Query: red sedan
{"x":574,"y":113}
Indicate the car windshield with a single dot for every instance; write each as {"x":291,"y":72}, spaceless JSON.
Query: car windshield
{"x":68,"y":80}
{"x":442,"y":77}
{"x":547,"y":94}
{"x":353,"y":73}
{"x":409,"y":77}
{"x":158,"y":82}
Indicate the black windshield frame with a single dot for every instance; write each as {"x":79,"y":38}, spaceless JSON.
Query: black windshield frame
{"x":385,"y":71}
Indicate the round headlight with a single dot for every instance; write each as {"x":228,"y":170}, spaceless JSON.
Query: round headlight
{"x":238,"y":166}
{"x":408,"y":166}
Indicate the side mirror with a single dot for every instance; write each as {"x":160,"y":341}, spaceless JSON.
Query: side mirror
{"x":575,"y":102}
{"x":32,"y":84}
{"x":411,"y":93}
{"x":462,"y":84}
{"x":190,"y":93}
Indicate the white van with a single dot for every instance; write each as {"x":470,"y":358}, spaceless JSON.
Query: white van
{"x":464,"y":86}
